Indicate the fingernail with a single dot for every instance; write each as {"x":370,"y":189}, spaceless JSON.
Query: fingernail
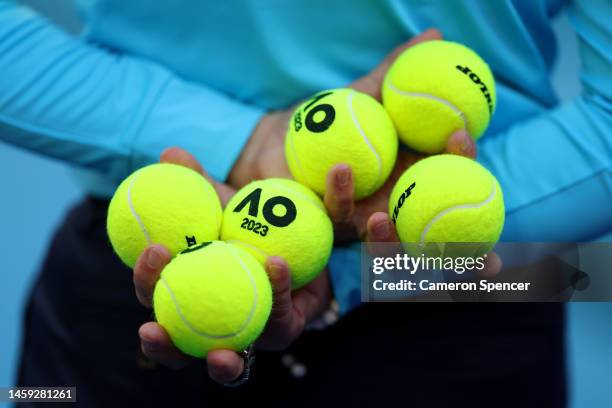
{"x":466,"y":146}
{"x":154,"y":258}
{"x":274,"y":271}
{"x":381,"y":230}
{"x":343,"y":176}
{"x":461,"y":144}
{"x":145,"y":338}
{"x":464,"y":141}
{"x":149,"y":346}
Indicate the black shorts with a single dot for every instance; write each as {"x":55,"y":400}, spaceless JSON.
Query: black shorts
{"x":82,"y":320}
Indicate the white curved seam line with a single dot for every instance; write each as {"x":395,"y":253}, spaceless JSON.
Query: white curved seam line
{"x":184,"y":319}
{"x":216,"y":336}
{"x":212,"y":207}
{"x":295,"y":156}
{"x":135,"y":214}
{"x":253,"y":247}
{"x":363,"y":135}
{"x":456,"y":207}
{"x":255,"y":293}
{"x":455,"y":109}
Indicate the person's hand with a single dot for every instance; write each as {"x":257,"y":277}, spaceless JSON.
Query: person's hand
{"x":264,"y":154}
{"x":373,"y":239}
{"x":290,"y":311}
{"x":353,"y":219}
{"x":264,"y":157}
{"x":350,"y":218}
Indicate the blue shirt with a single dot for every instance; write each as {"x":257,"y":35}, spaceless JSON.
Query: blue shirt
{"x":147,"y":75}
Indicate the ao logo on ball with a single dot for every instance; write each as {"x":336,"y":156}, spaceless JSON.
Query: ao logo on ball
{"x":263,"y":218}
{"x":253,"y":200}
{"x":325,"y":109}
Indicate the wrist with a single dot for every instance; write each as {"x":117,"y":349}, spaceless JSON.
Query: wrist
{"x":264,"y":153}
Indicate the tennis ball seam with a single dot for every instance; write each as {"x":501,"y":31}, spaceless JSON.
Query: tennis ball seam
{"x":296,"y":157}
{"x":143,"y":228}
{"x":443,"y":101}
{"x":364,"y":136}
{"x":188,"y":324}
{"x":448,"y":210}
{"x":255,"y":248}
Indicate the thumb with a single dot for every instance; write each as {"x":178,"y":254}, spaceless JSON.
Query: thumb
{"x":372,"y":82}
{"x":462,"y":144}
{"x":284,"y":323}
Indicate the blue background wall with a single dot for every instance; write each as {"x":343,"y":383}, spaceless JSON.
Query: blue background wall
{"x":36,"y":192}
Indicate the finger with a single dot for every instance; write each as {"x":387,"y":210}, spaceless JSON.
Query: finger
{"x":224,"y":366}
{"x":176,"y":155}
{"x":460,"y":143}
{"x":157,"y":345}
{"x":380,"y":228}
{"x":381,"y":236}
{"x":312,"y":300}
{"x":147,"y":270}
{"x":339,"y":194}
{"x":283,"y":324}
{"x":372,"y":82}
{"x":493,"y":266}
{"x":280,"y":279}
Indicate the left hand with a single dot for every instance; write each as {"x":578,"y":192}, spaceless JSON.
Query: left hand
{"x":291,"y":310}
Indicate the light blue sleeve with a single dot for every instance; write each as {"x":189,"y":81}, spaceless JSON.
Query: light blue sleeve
{"x":97,"y":109}
{"x":555,"y":169}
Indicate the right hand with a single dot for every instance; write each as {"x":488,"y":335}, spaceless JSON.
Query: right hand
{"x":264,"y":154}
{"x":291,"y":310}
{"x":264,"y":157}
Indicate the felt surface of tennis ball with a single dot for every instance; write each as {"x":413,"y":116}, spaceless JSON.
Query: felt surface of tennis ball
{"x":448,"y":198}
{"x":341,"y":126}
{"x":163,"y":204}
{"x":436,"y":88}
{"x":280,"y":217}
{"x":213,"y":296}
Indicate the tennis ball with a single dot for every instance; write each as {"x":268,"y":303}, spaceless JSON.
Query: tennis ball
{"x":213,"y":296}
{"x":280,"y":217}
{"x":435,"y":88}
{"x":165,"y":204}
{"x":341,"y":126}
{"x":447,"y":199}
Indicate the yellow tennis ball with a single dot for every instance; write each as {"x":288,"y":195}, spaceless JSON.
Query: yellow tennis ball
{"x":341,"y":126}
{"x":447,"y":198}
{"x":213,"y":296}
{"x":163,"y":204}
{"x":280,"y":217}
{"x":435,"y":88}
